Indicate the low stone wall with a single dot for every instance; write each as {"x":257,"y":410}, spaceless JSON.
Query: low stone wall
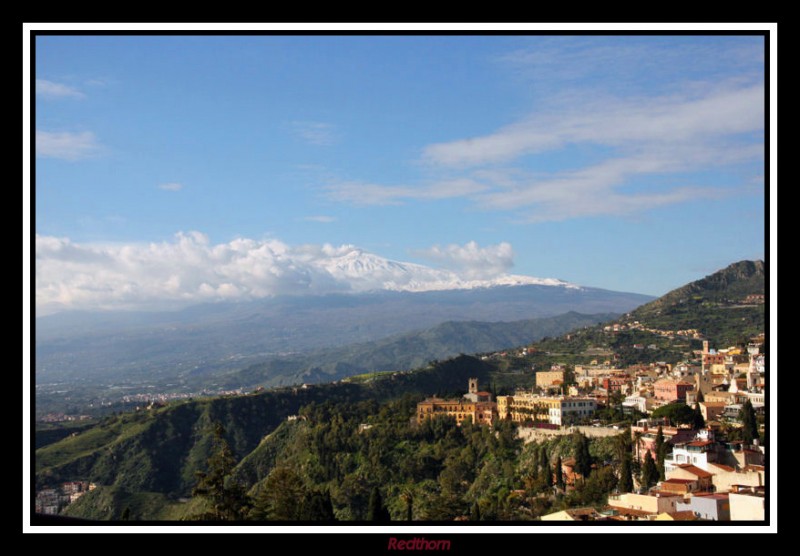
{"x":534,"y":435}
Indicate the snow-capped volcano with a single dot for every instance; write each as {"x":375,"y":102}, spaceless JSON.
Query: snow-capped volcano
{"x":365,"y":271}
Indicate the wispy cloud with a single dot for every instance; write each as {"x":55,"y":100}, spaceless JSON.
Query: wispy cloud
{"x":557,"y":63}
{"x":639,"y":123}
{"x":51,"y":90}
{"x":631,"y":141}
{"x":315,"y":133}
{"x":321,"y":219}
{"x":66,"y":145}
{"x":172,"y":186}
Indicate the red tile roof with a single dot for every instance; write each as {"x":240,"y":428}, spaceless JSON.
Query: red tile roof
{"x":727,"y":468}
{"x":695,"y":470}
{"x":700,"y":443}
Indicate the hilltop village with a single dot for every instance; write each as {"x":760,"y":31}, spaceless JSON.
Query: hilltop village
{"x":683,"y":411}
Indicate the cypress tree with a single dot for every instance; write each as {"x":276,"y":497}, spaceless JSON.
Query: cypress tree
{"x":377,"y":511}
{"x":661,"y":453}
{"x":750,"y":426}
{"x":583,"y":459}
{"x":626,"y":475}
{"x":546,"y":469}
{"x":649,"y":471}
{"x":559,"y":474}
{"x":475,"y":514}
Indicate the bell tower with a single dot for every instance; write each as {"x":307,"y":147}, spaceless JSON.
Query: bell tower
{"x":473,"y":385}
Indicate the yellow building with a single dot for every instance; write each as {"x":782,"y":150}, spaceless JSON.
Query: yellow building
{"x":478,"y":412}
{"x":553,"y":410}
{"x":476,"y":406}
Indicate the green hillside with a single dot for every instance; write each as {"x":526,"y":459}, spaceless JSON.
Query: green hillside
{"x":407,"y":351}
{"x":718,"y":305}
{"x":159,"y":451}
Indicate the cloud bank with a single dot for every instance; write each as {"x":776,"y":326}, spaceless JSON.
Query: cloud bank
{"x":190,"y":269}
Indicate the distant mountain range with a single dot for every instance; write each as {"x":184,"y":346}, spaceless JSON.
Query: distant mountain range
{"x":210,"y":339}
{"x":406,"y":351}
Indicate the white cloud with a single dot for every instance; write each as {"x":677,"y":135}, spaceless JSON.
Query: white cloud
{"x":639,"y":123}
{"x":322,"y":219}
{"x":471,"y":260}
{"x":172,"y":186}
{"x":315,"y":133}
{"x":629,"y":142}
{"x":66,"y":145}
{"x":190,"y":269}
{"x":50,"y":90}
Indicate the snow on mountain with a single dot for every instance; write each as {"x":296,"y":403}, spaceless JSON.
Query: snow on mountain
{"x":364,"y":271}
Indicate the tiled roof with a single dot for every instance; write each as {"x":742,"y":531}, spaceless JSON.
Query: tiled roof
{"x":700,"y":443}
{"x":727,"y":468}
{"x":695,"y":470}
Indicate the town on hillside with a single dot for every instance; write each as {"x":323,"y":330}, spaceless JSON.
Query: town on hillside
{"x":695,"y":437}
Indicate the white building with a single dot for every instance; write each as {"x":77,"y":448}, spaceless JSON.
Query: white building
{"x":635,"y":402}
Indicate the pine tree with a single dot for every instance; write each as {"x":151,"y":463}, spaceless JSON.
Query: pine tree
{"x":281,"y":497}
{"x":377,"y":511}
{"x":228,"y":498}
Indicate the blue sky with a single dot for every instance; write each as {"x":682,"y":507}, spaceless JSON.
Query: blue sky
{"x":632,"y":163}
